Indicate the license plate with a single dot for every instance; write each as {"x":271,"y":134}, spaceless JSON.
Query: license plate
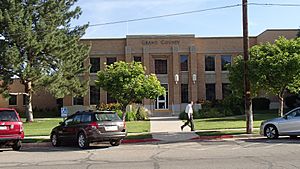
{"x":3,"y":128}
{"x":111,"y":128}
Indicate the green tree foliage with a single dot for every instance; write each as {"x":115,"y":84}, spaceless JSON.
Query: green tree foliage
{"x":128,"y":83}
{"x":274,"y":68}
{"x":41,"y":49}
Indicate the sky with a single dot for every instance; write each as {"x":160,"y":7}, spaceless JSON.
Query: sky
{"x":222,"y":22}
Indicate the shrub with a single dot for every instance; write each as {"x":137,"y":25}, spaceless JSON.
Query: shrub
{"x":260,"y":103}
{"x":142,"y":113}
{"x":110,"y":106}
{"x":130,"y":116}
{"x":292,"y":101}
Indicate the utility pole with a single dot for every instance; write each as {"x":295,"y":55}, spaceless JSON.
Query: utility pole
{"x":247,"y":94}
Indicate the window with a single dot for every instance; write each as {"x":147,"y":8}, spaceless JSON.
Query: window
{"x":77,"y":100}
{"x":210,"y":91}
{"x":184,"y":93}
{"x":225,"y":60}
{"x":209,"y":63}
{"x":95,"y":65}
{"x":161,"y":66}
{"x":225,"y":90}
{"x":77,"y":119}
{"x":110,"y":99}
{"x":94,"y":95}
{"x":25,"y":99}
{"x":12,"y":99}
{"x":137,"y":58}
{"x":110,"y":61}
{"x":86,"y":118}
{"x":184,"y":63}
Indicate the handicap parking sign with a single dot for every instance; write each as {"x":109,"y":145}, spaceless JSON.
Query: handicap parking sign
{"x":64,"y":112}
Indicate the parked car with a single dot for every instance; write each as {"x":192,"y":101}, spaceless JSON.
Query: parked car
{"x":85,"y":127}
{"x":11,"y":129}
{"x":288,"y":125}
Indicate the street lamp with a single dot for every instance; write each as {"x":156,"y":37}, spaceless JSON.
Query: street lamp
{"x":194,"y":78}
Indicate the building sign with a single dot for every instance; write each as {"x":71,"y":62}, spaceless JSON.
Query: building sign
{"x":160,"y":42}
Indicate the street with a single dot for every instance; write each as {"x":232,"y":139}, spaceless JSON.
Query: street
{"x":239,"y":153}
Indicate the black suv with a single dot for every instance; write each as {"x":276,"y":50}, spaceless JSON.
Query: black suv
{"x":86,"y":127}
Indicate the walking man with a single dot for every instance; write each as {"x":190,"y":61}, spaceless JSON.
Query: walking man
{"x":189,"y":113}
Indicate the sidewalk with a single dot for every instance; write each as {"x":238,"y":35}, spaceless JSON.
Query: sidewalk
{"x":168,"y":129}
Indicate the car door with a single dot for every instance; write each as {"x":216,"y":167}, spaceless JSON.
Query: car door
{"x":290,"y":123}
{"x":66,"y":128}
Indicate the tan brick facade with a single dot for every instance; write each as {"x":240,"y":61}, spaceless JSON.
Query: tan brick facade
{"x":169,"y":48}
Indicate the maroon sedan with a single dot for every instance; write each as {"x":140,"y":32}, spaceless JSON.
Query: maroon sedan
{"x":85,"y":127}
{"x":11,"y":128}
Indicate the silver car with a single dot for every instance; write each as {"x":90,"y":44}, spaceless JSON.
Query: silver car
{"x":288,"y":125}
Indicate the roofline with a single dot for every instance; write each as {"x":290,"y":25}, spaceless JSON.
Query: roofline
{"x":268,"y":30}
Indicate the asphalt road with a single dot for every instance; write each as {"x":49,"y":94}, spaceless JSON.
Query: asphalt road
{"x":219,"y":154}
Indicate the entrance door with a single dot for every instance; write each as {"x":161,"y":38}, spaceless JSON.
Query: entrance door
{"x":162,"y":101}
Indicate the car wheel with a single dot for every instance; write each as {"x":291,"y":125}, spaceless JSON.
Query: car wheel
{"x":115,"y":142}
{"x":54,"y":140}
{"x":82,"y":141}
{"x":17,"y":145}
{"x":271,"y":131}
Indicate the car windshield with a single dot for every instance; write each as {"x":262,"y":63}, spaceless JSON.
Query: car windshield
{"x":8,"y":115}
{"x":107,"y":117}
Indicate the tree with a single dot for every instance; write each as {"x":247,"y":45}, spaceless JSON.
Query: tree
{"x":277,"y":66}
{"x":41,"y":49}
{"x":128,"y":83}
{"x":274,"y":68}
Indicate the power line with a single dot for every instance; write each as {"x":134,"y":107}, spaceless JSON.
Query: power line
{"x":167,"y":15}
{"x":186,"y":12}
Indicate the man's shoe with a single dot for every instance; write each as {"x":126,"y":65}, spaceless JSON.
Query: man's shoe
{"x":181,"y":128}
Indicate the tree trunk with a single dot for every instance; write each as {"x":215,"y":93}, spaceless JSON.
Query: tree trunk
{"x":280,"y":110}
{"x":28,"y":110}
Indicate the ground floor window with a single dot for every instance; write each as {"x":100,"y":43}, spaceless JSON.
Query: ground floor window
{"x":78,"y":100}
{"x":184,"y":93}
{"x":162,"y":101}
{"x":12,"y":100}
{"x":94,"y":95}
{"x":210,"y":91}
{"x":110,"y":99}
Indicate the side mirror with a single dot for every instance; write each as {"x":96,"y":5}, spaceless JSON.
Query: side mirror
{"x":285,"y":117}
{"x":61,"y":123}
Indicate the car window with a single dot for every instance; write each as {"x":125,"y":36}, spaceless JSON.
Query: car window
{"x":297,"y":113}
{"x":86,"y":118}
{"x":77,"y":119}
{"x":69,"y":120}
{"x":8,"y":115}
{"x":107,"y":117}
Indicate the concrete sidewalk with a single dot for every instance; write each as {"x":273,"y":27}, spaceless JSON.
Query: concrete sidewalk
{"x":168,"y":129}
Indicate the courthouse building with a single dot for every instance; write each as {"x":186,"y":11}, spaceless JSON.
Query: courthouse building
{"x":189,"y":67}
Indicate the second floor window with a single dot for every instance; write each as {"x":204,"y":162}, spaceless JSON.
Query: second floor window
{"x":225,"y":60}
{"x":95,"y":65}
{"x":209,"y":63}
{"x":161,"y":66}
{"x":184,"y":63}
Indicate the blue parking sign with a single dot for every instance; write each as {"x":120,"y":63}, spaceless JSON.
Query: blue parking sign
{"x":64,"y":112}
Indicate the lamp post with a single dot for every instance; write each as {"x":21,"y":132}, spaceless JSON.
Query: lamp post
{"x":176,"y":78}
{"x":194,"y":78}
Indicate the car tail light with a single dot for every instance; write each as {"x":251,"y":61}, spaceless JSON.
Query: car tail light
{"x":94,"y":125}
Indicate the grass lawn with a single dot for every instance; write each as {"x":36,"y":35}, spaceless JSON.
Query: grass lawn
{"x":232,"y":122}
{"x":43,"y":126}
{"x":40,"y":126}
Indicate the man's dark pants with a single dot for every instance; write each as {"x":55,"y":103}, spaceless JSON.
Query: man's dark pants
{"x":189,"y":120}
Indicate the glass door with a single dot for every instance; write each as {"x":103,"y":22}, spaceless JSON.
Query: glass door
{"x":162,"y":101}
